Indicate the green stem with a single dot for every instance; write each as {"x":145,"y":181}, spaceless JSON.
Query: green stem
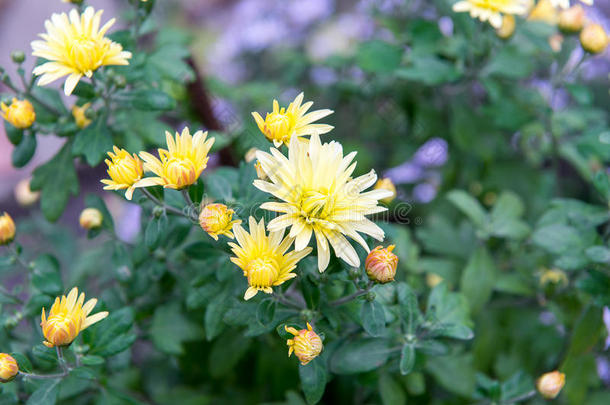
{"x":353,"y":296}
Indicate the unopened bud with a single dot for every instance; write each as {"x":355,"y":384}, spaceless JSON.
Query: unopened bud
{"x":507,"y":28}
{"x":594,"y":39}
{"x":19,"y":114}
{"x":550,"y":384}
{"x":370,"y":296}
{"x":572,"y":20}
{"x":354,"y":273}
{"x":386,"y":184}
{"x":380,"y":264}
{"x":24,"y":194}
{"x":7,"y":229}
{"x":8,"y":368}
{"x":91,"y":218}
{"x":306,"y":344}
{"x":217,"y":219}
{"x":18,"y":56}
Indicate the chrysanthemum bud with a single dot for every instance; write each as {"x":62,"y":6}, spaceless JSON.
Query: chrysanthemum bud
{"x":80,"y":115}
{"x":380,"y":264}
{"x":19,"y":114}
{"x":250,"y":155}
{"x":18,"y":56}
{"x":432,"y":280}
{"x":7,"y":229}
{"x":550,"y":384}
{"x":386,"y":184}
{"x":91,"y":218}
{"x":24,"y":194}
{"x":306,"y":344}
{"x":260,"y":172}
{"x":507,"y":28}
{"x":572,"y":19}
{"x":72,"y":1}
{"x":594,"y":39}
{"x":544,"y":11}
{"x":556,"y":42}
{"x":217,"y":219}
{"x":8,"y":368}
{"x":553,"y":276}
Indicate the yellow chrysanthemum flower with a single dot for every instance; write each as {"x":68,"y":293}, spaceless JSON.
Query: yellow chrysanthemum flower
{"x":125,"y":172}
{"x":8,"y":368}
{"x":566,"y":3}
{"x":67,"y":318}
{"x":19,"y":114}
{"x":217,"y":219}
{"x":183,"y":161}
{"x":75,"y":46}
{"x":306,"y":344}
{"x":281,"y":124}
{"x":491,"y":10}
{"x":7,"y":229}
{"x":263,"y":258}
{"x":79,"y":115}
{"x":319,"y":196}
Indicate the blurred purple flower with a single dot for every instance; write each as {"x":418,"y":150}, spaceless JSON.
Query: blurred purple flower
{"x":606,"y":318}
{"x":128,"y":227}
{"x":304,"y":13}
{"x":603,"y":369}
{"x":433,"y":153}
{"x":445,"y":25}
{"x":424,"y":192}
{"x":407,"y":172}
{"x":322,"y":75}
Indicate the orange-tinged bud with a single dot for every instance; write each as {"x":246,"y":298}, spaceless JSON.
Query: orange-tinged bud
{"x":306,"y":344}
{"x":380,"y":264}
{"x":550,"y":384}
{"x":8,"y":368}
{"x":217,"y":219}
{"x":19,"y":114}
{"x":260,"y":172}
{"x":386,"y":184}
{"x":68,"y":316}
{"x":572,"y":19}
{"x":91,"y":218}
{"x":24,"y":194}
{"x":594,"y":39}
{"x":7,"y":229}
{"x":507,"y":28}
{"x":79,"y":115}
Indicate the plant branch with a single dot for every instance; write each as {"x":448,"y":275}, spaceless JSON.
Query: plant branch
{"x":352,"y":296}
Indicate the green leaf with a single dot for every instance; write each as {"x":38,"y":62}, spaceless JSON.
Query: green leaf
{"x":226,"y":352}
{"x":214,"y":314}
{"x":429,"y":70}
{"x":469,"y":206}
{"x":407,"y":359}
{"x":46,"y":277}
{"x":360,"y":355}
{"x":102,"y":335}
{"x":155,"y":231}
{"x":599,"y":254}
{"x":450,"y":313}
{"x":313,"y":379}
{"x":391,"y":392}
{"x":23,"y":362}
{"x":372,"y":316}
{"x":202,"y":251}
{"x":93,"y":142}
{"x":558,"y":239}
{"x":504,"y":217}
{"x":510,"y":62}
{"x":23,"y":153}
{"x":266,"y":311}
{"x":57,"y":179}
{"x":170,"y":328}
{"x":46,"y":394}
{"x":596,"y":284}
{"x":14,"y":134}
{"x":478,"y":279}
{"x":92,"y":360}
{"x":378,"y":56}
{"x":409,"y":309}
{"x":455,"y":373}
{"x":219,"y":186}
{"x":148,"y":99}
{"x":602,"y":184}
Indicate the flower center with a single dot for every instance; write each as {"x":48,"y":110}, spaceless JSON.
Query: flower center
{"x":262,"y":272}
{"x":316,"y":205}
{"x":85,"y":54}
{"x":278,"y":126}
{"x":125,"y":171}
{"x":180,"y":172}
{"x":61,"y":329}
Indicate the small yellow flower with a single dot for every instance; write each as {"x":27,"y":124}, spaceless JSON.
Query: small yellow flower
{"x":572,"y":19}
{"x":594,"y":39}
{"x":386,"y":184}
{"x":380,"y":264}
{"x":91,"y":218}
{"x":550,"y":384}
{"x":433,"y":279}
{"x":79,"y":115}
{"x":19,"y":114}
{"x":491,"y":10}
{"x":553,"y":276}
{"x":75,"y":46}
{"x":260,"y":172}
{"x":24,"y":194}
{"x":263,"y":258}
{"x":544,"y":11}
{"x":508,"y":27}
{"x":281,"y":124}
{"x":125,"y":172}
{"x":183,"y":161}
{"x":217,"y":219}
{"x":8,"y":368}
{"x":306,"y":344}
{"x":67,"y":318}
{"x":7,"y":229}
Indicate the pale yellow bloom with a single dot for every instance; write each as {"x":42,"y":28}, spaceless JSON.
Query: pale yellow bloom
{"x":306,"y":344}
{"x":554,"y":276}
{"x":566,"y":3}
{"x":125,"y":172}
{"x":217,"y":219}
{"x":7,"y":229}
{"x":281,"y":124}
{"x":319,"y":197}
{"x":508,"y":27}
{"x":24,"y":194}
{"x":183,"y":161}
{"x":79,"y":115}
{"x":544,"y":11}
{"x":263,"y":258}
{"x":550,"y":384}
{"x":572,"y":19}
{"x":19,"y":114}
{"x":90,"y":218}
{"x":432,"y":280}
{"x":594,"y":39}
{"x":67,"y":318}
{"x":491,"y":10}
{"x":381,"y":264}
{"x":8,"y":368}
{"x":75,"y":46}
{"x":386,"y":184}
